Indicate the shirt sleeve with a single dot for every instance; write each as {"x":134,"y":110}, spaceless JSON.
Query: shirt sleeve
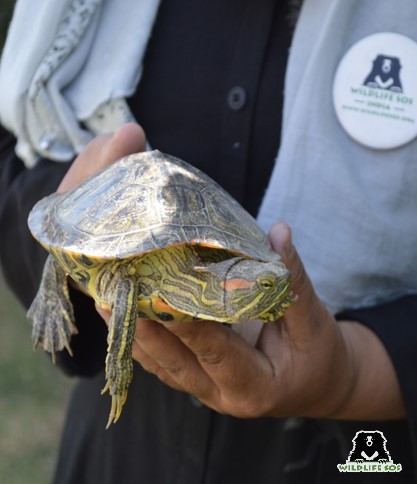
{"x":22,"y":258}
{"x":395,"y":324}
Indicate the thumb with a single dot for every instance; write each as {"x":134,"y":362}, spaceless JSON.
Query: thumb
{"x":102,"y":151}
{"x":281,"y":241}
{"x":129,"y":138}
{"x":308,"y":307}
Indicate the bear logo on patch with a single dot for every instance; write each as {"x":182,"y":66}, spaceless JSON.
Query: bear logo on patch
{"x":385,"y":74}
{"x":369,"y":446}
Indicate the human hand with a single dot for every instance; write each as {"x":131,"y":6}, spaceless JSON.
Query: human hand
{"x":296,"y":363}
{"x":305,"y":364}
{"x":101,"y":152}
{"x":290,"y":368}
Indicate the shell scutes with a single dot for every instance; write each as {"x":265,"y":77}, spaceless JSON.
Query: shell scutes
{"x":143,"y":202}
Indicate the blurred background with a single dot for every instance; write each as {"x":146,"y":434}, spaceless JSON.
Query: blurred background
{"x":33,"y":399}
{"x":33,"y":393}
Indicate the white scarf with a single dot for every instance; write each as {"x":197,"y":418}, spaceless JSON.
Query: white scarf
{"x":80,"y":60}
{"x":352,"y":209}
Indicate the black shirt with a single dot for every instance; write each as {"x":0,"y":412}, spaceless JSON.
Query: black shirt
{"x":212,"y":89}
{"x":211,"y":93}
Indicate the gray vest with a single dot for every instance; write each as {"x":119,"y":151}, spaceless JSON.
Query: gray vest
{"x":353,"y":209}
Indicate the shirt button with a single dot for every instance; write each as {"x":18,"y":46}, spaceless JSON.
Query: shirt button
{"x":236,"y":99}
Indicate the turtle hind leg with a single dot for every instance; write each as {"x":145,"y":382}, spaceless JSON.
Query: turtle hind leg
{"x":119,"y":365}
{"x":51,"y":312}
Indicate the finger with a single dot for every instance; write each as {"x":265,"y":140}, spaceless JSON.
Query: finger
{"x":128,"y":139}
{"x":101,"y":152}
{"x":308,"y":314}
{"x":148,"y":363}
{"x":230,"y":362}
{"x":140,"y":355}
{"x":106,"y":315}
{"x":171,"y":357}
{"x":281,"y":241}
{"x":159,"y":352}
{"x":151,"y":366}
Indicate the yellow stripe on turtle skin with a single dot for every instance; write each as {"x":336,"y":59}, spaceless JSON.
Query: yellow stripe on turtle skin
{"x":245,"y":309}
{"x":169,"y":268}
{"x":285,"y":303}
{"x":267,"y":313}
{"x":173,"y":269}
{"x":105,"y":217}
{"x":119,"y":367}
{"x":131,"y":308}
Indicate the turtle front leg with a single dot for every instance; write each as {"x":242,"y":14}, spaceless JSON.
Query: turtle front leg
{"x":119,"y":365}
{"x":51,"y":312}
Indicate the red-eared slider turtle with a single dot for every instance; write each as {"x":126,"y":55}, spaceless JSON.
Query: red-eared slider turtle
{"x":151,"y":237}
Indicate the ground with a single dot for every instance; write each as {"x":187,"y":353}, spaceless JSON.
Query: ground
{"x":33,"y":398}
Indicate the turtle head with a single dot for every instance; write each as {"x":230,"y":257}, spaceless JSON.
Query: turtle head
{"x":257,"y":290}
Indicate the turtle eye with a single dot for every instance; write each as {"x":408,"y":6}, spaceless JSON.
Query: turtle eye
{"x":266,"y":284}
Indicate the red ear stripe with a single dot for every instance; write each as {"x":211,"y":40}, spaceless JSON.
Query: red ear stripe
{"x":232,"y":284}
{"x":160,"y":305}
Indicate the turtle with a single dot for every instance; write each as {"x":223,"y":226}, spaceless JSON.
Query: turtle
{"x":151,"y":237}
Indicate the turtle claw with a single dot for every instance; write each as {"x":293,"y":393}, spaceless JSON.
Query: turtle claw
{"x":117,"y":403}
{"x":51,"y":312}
{"x":117,"y":388}
{"x":119,"y":365}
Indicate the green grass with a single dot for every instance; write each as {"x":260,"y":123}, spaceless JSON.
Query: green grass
{"x":33,"y":399}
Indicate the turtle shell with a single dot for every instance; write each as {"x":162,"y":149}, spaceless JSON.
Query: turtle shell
{"x":143,"y":202}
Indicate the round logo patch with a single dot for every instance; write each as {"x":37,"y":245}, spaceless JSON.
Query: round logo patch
{"x":375,"y":91}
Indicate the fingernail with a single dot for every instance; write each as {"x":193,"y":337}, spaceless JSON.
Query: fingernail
{"x":281,"y":237}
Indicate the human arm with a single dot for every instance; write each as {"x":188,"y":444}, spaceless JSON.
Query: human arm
{"x":306,"y":364}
